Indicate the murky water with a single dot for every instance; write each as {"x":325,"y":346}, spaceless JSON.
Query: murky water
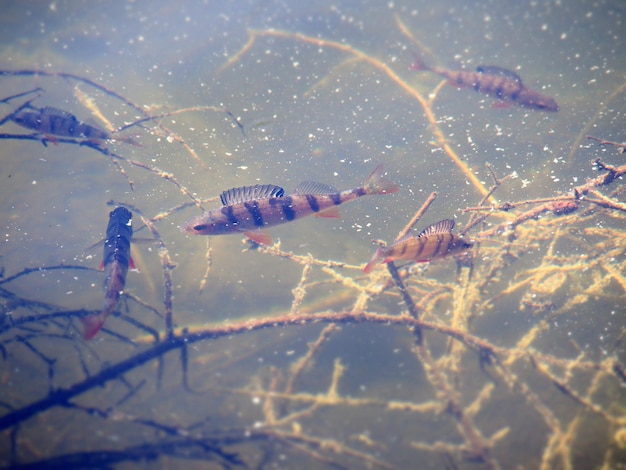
{"x":324,"y":92}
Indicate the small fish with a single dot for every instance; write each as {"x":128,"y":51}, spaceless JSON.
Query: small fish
{"x":115,"y":263}
{"x":56,"y":122}
{"x":249,"y":209}
{"x":498,"y":82}
{"x":435,"y":242}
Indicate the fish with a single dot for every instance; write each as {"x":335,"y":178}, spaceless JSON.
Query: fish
{"x":497,"y":82}
{"x":250,"y":209}
{"x":435,"y":242}
{"x":116,"y":261}
{"x":56,"y":122}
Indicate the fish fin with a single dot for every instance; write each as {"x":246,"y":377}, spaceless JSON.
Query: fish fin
{"x":501,"y":104}
{"x":91,"y":325}
{"x":495,"y":70}
{"x":378,"y":183}
{"x":101,"y":267}
{"x":258,"y":236}
{"x":50,"y":111}
{"x":129,"y":139}
{"x":330,"y":213}
{"x":131,"y":264}
{"x":50,"y":138}
{"x":443,"y":226}
{"x":418,"y":63}
{"x":143,"y":240}
{"x":456,"y":84}
{"x":313,"y":187}
{"x":250,"y":193}
{"x":374,"y":261}
{"x":95,"y":245}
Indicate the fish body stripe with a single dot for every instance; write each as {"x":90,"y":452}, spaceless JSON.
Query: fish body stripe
{"x":288,"y":212}
{"x":403,"y":249}
{"x":229,"y":212}
{"x":336,"y":198}
{"x":313,"y":204}
{"x":285,"y":205}
{"x":438,"y":245}
{"x":257,"y":216}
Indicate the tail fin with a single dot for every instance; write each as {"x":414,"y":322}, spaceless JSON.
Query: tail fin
{"x":378,"y":183}
{"x":128,"y":139}
{"x":91,"y":325}
{"x":374,"y":261}
{"x":418,"y":63}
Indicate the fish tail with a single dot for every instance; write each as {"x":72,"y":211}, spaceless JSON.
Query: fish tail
{"x":128,"y":139}
{"x":418,"y":63}
{"x":92,"y":324}
{"x":374,"y":261}
{"x":378,"y":183}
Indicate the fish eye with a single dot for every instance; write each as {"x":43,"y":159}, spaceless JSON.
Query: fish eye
{"x":200,"y":227}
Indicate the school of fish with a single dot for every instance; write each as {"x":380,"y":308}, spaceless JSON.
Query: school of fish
{"x":249,"y":210}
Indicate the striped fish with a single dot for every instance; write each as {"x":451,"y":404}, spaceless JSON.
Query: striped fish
{"x":249,"y":209}
{"x":115,"y":263}
{"x":497,"y":82}
{"x":55,"y":122}
{"x":435,"y":242}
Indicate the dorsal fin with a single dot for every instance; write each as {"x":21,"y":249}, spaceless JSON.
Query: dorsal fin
{"x":313,"y":187}
{"x":49,"y":110}
{"x":443,"y":226}
{"x":250,"y":193}
{"x":495,"y":70}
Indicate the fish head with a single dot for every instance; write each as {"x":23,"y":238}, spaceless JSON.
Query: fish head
{"x":124,"y":215}
{"x":465,"y":244}
{"x":26,"y":118}
{"x":535,"y":100}
{"x":208,"y":224}
{"x":461,"y":244}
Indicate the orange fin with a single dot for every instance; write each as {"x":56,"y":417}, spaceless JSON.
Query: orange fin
{"x":131,"y":264}
{"x":501,"y":104}
{"x":52,"y":139}
{"x":91,"y":325}
{"x":374,"y":261}
{"x":330,"y":213}
{"x":258,"y":236}
{"x":456,"y":84}
{"x":418,"y":63}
